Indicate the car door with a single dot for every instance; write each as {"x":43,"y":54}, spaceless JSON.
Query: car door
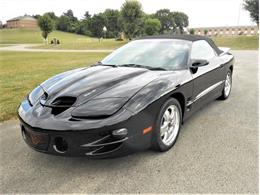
{"x":207,"y":80}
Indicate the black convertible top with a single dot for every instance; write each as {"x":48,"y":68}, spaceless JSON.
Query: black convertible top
{"x":191,"y":38}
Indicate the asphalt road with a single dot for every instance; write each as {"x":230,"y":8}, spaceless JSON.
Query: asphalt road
{"x":217,"y":152}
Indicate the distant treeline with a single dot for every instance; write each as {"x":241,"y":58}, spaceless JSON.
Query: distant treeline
{"x":130,"y":19}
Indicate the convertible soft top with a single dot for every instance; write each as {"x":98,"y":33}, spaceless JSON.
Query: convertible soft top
{"x":191,"y":38}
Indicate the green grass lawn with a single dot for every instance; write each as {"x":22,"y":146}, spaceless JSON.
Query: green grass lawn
{"x":73,"y":41}
{"x":20,"y":36}
{"x":238,"y":43}
{"x":85,"y":44}
{"x":68,"y":40}
{"x":235,"y":43}
{"x":34,"y":36}
{"x":22,"y":71}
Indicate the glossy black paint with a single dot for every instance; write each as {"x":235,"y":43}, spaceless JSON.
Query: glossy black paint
{"x":111,"y":98}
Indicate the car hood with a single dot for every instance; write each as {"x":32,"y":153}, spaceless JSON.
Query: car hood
{"x":97,"y":82}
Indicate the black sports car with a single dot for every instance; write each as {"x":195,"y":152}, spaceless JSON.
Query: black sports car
{"x":134,"y":99}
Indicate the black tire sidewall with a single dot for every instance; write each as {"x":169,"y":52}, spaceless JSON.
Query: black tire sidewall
{"x":157,"y":140}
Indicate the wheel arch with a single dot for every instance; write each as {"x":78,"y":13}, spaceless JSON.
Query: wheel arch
{"x":231,"y":68}
{"x":181,"y":99}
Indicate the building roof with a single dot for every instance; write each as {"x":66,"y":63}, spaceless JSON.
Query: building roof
{"x":191,"y":38}
{"x":26,"y":17}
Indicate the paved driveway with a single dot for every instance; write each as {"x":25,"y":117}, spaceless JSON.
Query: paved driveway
{"x":29,"y":48}
{"x":217,"y":152}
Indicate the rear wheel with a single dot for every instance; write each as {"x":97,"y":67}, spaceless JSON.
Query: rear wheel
{"x":227,"y":86}
{"x":167,"y":125}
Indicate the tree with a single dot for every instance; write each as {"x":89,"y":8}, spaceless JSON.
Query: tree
{"x":181,"y":20}
{"x":46,"y":25}
{"x":70,"y":15}
{"x":112,"y":25}
{"x":205,"y":32}
{"x":53,"y":17}
{"x":192,"y":31}
{"x":64,"y":23}
{"x":87,"y":15}
{"x":152,"y":26}
{"x":83,"y":27}
{"x":96,"y":24}
{"x":131,"y":18}
{"x":37,"y":16}
{"x":253,"y":7}
{"x":166,"y":18}
{"x":68,"y":22}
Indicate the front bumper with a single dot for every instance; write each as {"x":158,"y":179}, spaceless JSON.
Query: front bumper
{"x":96,"y":142}
{"x":83,"y":143}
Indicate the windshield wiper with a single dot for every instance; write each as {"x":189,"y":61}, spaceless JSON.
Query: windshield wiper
{"x":101,"y":64}
{"x":157,"y":68}
{"x":130,"y":65}
{"x":142,"y":66}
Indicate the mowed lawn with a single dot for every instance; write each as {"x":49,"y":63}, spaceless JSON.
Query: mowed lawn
{"x":67,"y":40}
{"x":238,"y":42}
{"x":22,"y":71}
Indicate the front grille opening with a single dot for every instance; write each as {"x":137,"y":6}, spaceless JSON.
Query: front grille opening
{"x":104,"y":145}
{"x":109,"y":148}
{"x":57,"y":110}
{"x":98,"y":150}
{"x":65,"y":101}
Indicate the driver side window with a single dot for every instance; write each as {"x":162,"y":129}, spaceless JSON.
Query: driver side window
{"x":202,"y":50}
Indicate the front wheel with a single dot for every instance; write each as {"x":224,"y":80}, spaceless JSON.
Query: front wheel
{"x":227,"y":86}
{"x":167,"y":125}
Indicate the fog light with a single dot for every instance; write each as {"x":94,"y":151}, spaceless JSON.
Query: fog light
{"x":60,"y":145}
{"x":120,"y":133}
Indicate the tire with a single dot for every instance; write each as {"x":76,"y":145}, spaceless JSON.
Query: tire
{"x":166,"y":128}
{"x":227,"y":86}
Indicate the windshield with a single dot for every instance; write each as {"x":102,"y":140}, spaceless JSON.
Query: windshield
{"x":168,"y":54}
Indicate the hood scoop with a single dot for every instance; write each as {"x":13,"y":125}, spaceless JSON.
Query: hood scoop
{"x":61,"y":104}
{"x":65,"y":101}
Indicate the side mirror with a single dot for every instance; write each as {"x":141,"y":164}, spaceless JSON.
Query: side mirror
{"x":195,"y":64}
{"x":199,"y":63}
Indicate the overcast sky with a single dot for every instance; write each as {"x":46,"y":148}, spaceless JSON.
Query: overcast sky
{"x":202,"y":13}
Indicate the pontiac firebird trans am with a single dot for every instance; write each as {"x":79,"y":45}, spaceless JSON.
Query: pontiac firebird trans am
{"x":134,"y":99}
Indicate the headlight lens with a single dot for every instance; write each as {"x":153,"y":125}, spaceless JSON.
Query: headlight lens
{"x":35,"y":95}
{"x":99,"y":108}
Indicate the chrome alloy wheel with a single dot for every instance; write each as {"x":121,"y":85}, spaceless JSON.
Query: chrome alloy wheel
{"x":170,"y":125}
{"x":228,"y":83}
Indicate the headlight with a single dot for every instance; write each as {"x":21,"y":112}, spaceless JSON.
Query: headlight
{"x":35,"y":95}
{"x":99,"y":108}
